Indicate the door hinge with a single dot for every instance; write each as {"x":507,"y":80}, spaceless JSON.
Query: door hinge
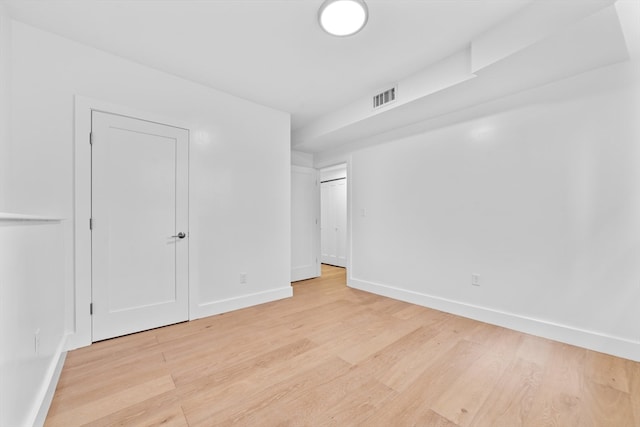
{"x":90,"y":309}
{"x":90,"y":138}
{"x":90,"y":223}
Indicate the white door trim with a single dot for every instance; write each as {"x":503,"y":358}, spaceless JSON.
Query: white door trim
{"x":80,"y":335}
{"x":336,"y":161}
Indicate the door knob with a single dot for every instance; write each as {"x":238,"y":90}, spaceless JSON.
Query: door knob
{"x":180,"y":235}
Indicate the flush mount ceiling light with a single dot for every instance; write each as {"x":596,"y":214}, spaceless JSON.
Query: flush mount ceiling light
{"x":343,"y":17}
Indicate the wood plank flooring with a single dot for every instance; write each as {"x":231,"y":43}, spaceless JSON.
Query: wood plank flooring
{"x":335,"y":356}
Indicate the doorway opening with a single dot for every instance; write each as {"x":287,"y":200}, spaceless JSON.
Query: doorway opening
{"x":84,"y":225}
{"x":333,"y":216}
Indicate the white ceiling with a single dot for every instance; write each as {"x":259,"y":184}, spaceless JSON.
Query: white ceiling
{"x":585,"y":40}
{"x":272,"y":51}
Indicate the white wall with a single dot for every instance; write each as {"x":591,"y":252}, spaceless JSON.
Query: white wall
{"x":299,"y":158}
{"x":542,"y":200}
{"x":239,"y":159}
{"x":5,"y":37}
{"x":31,"y":295}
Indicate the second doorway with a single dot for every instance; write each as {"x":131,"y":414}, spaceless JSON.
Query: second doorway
{"x":333,"y":202}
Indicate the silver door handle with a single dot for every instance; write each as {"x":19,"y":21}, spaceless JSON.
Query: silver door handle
{"x":180,"y":235}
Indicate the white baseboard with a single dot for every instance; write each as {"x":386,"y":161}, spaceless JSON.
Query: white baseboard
{"x":593,"y":340}
{"x":45,"y":395}
{"x":242,"y":301}
{"x":207,"y":309}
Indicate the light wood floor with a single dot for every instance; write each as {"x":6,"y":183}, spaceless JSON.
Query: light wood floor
{"x":332,"y":355}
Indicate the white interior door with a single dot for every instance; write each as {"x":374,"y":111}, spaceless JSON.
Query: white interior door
{"x":139,"y":206}
{"x":305,"y":206}
{"x":327,"y":229}
{"x":334,"y":222}
{"x":340,"y":199}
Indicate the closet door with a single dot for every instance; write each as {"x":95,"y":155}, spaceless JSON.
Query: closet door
{"x":334,"y":222}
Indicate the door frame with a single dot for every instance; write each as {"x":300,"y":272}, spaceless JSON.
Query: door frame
{"x":342,"y":159}
{"x":80,"y":334}
{"x":346,"y":255}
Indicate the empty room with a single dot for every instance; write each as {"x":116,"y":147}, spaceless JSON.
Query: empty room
{"x":320,"y":213}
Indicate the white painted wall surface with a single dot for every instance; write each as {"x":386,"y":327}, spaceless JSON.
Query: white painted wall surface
{"x":542,"y":200}
{"x":5,"y":45}
{"x":31,"y":301}
{"x":239,"y":177}
{"x":299,"y":158}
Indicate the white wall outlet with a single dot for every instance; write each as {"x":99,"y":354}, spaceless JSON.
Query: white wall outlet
{"x":475,"y":279}
{"x":36,"y":342}
{"x":243,"y":278}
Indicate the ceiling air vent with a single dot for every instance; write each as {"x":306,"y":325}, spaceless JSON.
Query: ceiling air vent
{"x":384,"y":98}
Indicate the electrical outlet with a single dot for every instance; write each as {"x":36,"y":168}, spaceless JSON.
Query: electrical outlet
{"x":36,"y":342}
{"x":475,"y":279}
{"x":243,"y":278}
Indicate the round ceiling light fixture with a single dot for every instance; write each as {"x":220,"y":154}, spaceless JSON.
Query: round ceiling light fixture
{"x":343,"y":17}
